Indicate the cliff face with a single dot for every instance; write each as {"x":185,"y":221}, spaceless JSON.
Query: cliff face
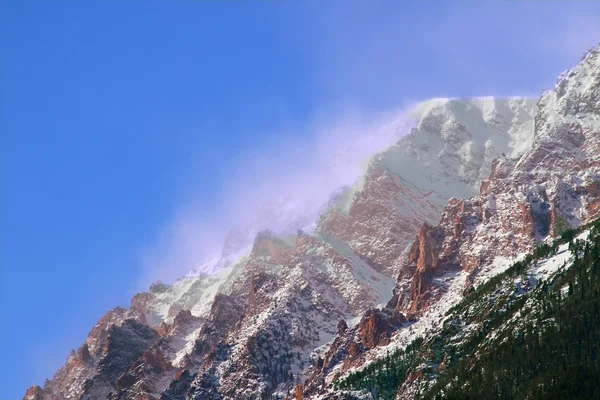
{"x":526,"y":200}
{"x":446,"y":155}
{"x":475,"y":183}
{"x":92,"y":371}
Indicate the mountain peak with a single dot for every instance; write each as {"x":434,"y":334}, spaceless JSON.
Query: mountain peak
{"x":476,"y":185}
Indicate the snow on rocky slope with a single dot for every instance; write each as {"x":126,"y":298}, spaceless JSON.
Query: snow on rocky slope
{"x":527,"y":200}
{"x":260,"y":322}
{"x":447,"y":154}
{"x":513,"y":300}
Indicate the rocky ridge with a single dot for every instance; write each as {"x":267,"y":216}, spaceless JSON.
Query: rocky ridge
{"x":296,"y":313}
{"x":526,"y":201}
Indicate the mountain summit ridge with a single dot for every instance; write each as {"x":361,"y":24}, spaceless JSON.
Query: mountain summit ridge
{"x":525,"y":202}
{"x":471,"y":182}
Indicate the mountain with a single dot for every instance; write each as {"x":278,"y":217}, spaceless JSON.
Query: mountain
{"x":526,"y":201}
{"x":473,"y":187}
{"x":446,"y":155}
{"x":529,"y":332}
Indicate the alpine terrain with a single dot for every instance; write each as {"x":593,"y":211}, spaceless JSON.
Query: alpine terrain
{"x":464,"y":264}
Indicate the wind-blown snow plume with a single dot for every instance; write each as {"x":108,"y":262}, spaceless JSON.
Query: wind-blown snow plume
{"x":281,"y":187}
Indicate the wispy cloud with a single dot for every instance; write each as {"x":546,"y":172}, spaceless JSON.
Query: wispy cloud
{"x":280,"y":186}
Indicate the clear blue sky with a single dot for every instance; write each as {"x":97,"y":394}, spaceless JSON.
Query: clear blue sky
{"x":116,"y":112}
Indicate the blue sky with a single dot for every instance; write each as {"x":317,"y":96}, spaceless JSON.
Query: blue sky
{"x":128,"y":127}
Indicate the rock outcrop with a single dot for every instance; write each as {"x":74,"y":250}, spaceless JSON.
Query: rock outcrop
{"x":448,"y":154}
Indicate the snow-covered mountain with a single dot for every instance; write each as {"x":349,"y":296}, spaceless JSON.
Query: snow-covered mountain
{"x":527,"y":200}
{"x":446,"y":155}
{"x":477,"y":182}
